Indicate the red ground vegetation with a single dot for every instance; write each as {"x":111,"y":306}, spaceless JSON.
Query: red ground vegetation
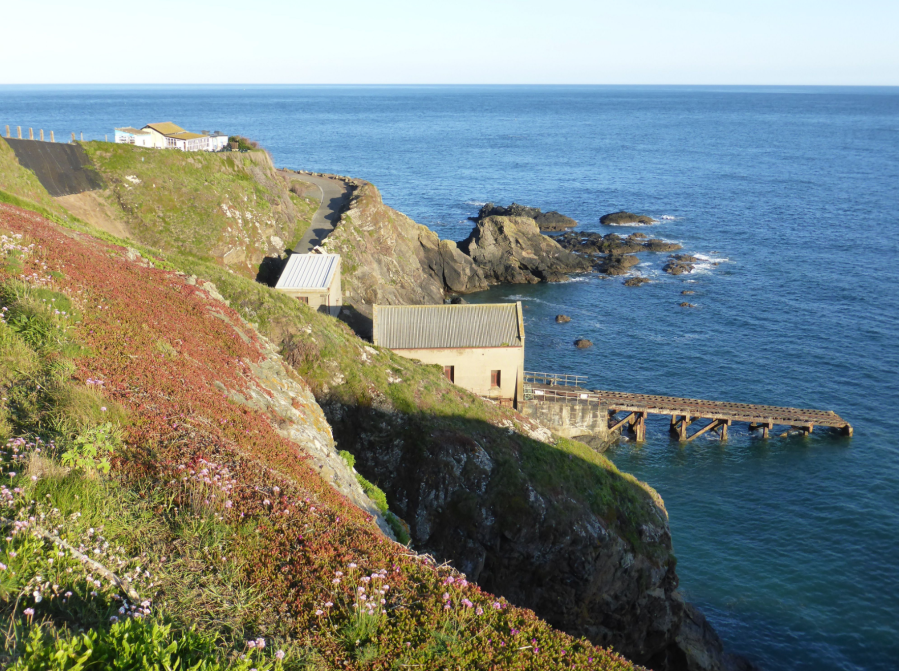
{"x":159,"y":345}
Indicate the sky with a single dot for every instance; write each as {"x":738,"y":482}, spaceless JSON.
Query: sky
{"x":765,"y":42}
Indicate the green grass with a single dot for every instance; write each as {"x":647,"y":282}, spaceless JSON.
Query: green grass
{"x":201,"y":204}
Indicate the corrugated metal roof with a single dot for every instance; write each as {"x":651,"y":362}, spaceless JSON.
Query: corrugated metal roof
{"x":308,"y":271}
{"x":165,"y":127}
{"x":447,"y":326}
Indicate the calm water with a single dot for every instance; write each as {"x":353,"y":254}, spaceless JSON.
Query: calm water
{"x":791,"y":546}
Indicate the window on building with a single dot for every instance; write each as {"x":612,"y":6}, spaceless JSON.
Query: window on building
{"x":495,"y":378}
{"x":450,"y":373}
{"x":303,"y":299}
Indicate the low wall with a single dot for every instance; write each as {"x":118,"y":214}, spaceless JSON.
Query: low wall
{"x":570,"y":420}
{"x":62,"y":169}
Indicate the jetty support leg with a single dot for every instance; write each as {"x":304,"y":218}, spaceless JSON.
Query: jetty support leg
{"x":618,"y":425}
{"x":847,"y":430}
{"x":640,"y":426}
{"x":714,"y":424}
{"x":722,"y":429}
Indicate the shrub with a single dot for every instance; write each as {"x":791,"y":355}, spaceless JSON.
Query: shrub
{"x":92,"y":449}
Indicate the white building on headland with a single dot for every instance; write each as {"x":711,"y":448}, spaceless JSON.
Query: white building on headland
{"x":128,"y":135}
{"x":166,"y":135}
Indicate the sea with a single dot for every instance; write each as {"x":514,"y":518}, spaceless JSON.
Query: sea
{"x":788,"y":196}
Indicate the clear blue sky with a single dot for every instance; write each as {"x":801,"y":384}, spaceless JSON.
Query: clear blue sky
{"x":464,"y":41}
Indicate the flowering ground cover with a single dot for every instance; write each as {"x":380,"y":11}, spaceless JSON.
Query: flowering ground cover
{"x":212,"y":541}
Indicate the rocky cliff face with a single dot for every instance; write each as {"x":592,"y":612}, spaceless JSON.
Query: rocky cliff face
{"x":517,"y":516}
{"x":511,"y":250}
{"x":389,"y":259}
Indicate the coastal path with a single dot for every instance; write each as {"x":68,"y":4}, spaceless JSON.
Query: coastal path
{"x":716,"y":416}
{"x":335,"y":197}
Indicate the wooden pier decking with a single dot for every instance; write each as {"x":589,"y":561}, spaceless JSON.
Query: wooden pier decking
{"x":684,"y":412}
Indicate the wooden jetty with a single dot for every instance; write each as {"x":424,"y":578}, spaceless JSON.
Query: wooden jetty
{"x":684,"y":412}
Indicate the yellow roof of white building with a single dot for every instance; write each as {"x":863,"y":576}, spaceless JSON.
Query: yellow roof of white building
{"x":165,"y":128}
{"x":448,"y":326}
{"x":313,"y":272}
{"x":132,"y":131}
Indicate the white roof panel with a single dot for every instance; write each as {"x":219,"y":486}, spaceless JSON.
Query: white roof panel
{"x":308,"y":271}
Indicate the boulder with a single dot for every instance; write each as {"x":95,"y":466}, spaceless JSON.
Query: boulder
{"x":460,"y":274}
{"x":677,"y":267}
{"x":660,"y":246}
{"x":624,"y":218}
{"x":511,"y":250}
{"x":687,"y":293}
{"x":617,"y":264}
{"x":686,"y":258}
{"x":458,"y":300}
{"x":687,"y":305}
{"x":582,"y":343}
{"x":562,"y":319}
{"x":636,"y":281}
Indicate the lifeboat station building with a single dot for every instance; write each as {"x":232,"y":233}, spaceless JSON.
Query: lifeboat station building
{"x":313,"y":279}
{"x":480,"y":347}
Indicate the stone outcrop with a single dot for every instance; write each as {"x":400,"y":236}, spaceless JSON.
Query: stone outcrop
{"x":583,"y":343}
{"x":624,"y":218}
{"x":389,"y":259}
{"x":511,"y":250}
{"x":546,"y":221}
{"x":562,"y":319}
{"x":468,"y":497}
{"x":636,"y":281}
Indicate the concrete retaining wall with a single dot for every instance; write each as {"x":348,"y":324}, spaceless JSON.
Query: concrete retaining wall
{"x":63,"y":169}
{"x":570,"y":420}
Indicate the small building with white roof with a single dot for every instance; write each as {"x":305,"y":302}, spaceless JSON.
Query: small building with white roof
{"x":313,"y":279}
{"x":480,"y":347}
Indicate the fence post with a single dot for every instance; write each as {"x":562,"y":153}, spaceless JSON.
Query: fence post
{"x":42,"y":134}
{"x":106,"y":138}
{"x":82,"y":137}
{"x":19,"y":131}
{"x":31,"y":133}
{"x":52,"y":139}
{"x":73,"y":138}
{"x":7,"y":130}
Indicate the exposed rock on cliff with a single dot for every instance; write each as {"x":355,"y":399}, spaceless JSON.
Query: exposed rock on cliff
{"x":511,"y":250}
{"x":546,"y":221}
{"x":389,"y":259}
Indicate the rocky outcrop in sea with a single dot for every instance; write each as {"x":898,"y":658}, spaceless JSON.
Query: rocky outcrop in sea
{"x":546,"y":221}
{"x":512,"y":250}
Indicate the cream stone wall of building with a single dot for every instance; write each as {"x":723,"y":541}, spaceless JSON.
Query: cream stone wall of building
{"x":473,"y":365}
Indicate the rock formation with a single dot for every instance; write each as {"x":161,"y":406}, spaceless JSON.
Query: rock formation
{"x":390,"y":259}
{"x":511,"y":250}
{"x":582,"y":343}
{"x":636,"y":281}
{"x":623,"y":218}
{"x":546,"y":221}
{"x":562,"y":319}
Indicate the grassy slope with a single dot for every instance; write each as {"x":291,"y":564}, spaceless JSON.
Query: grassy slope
{"x":202,"y":204}
{"x":235,"y":538}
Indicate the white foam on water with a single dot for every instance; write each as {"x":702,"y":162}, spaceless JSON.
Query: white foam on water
{"x":476,"y":203}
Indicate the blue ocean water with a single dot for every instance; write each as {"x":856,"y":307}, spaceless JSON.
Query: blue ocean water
{"x":791,"y":197}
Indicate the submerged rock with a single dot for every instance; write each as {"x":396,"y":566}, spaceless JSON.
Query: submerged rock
{"x":511,"y":250}
{"x":562,"y":319}
{"x":636,"y":281}
{"x":687,"y":305}
{"x":674,"y":267}
{"x":582,"y":343}
{"x":623,"y":218}
{"x":617,"y":264}
{"x":687,"y":293}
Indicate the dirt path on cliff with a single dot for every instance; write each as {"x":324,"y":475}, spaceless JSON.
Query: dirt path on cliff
{"x":90,"y":207}
{"x":335,"y":196}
